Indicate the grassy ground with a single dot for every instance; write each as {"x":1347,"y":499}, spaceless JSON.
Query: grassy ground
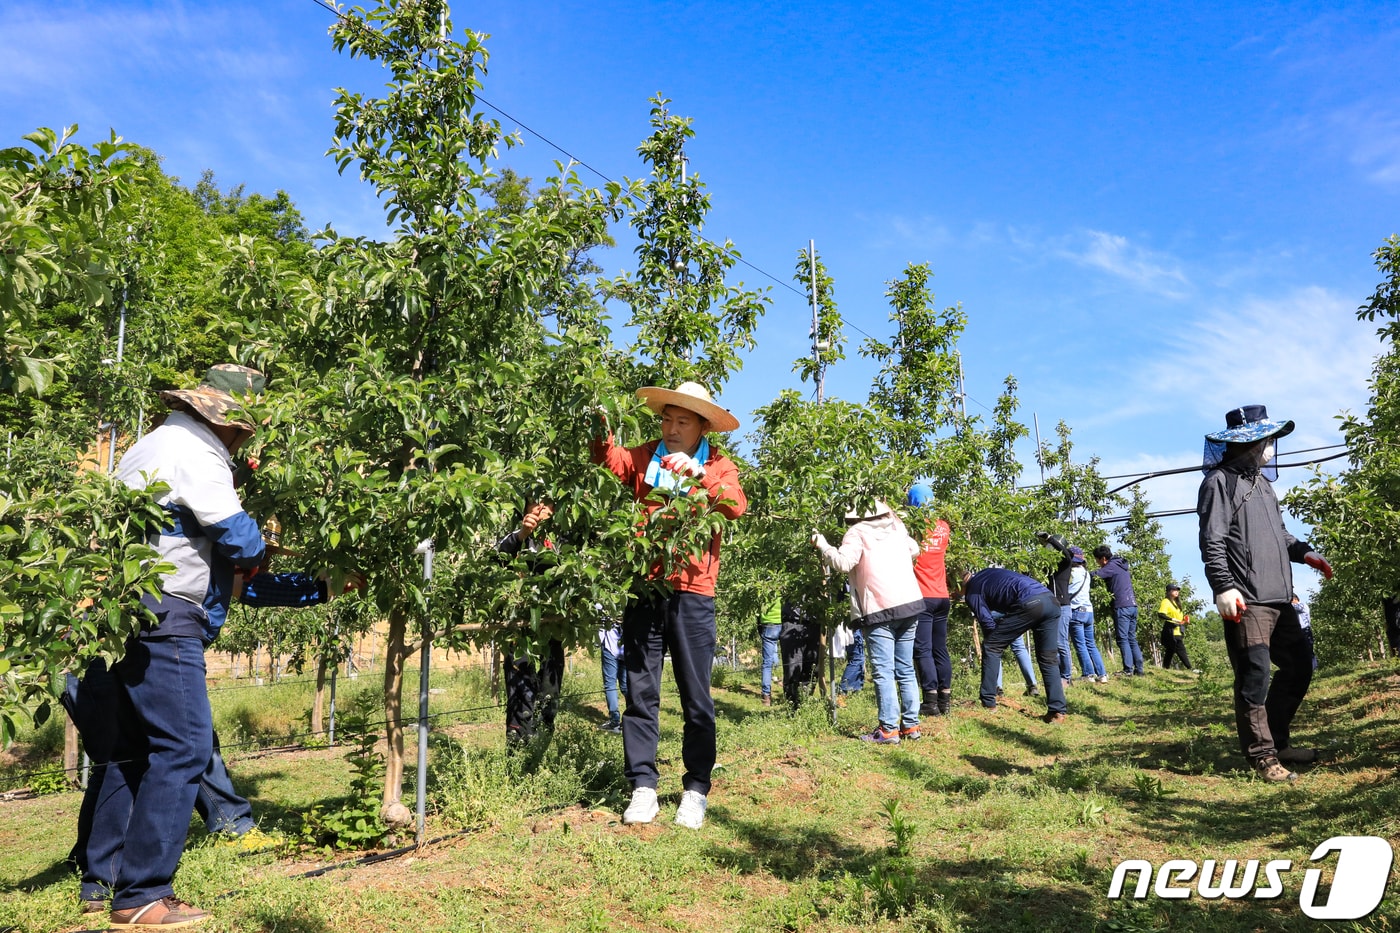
{"x":992,"y":821}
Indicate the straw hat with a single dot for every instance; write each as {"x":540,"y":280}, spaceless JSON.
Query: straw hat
{"x":218,"y":394}
{"x":880,"y":507}
{"x":691,"y":396}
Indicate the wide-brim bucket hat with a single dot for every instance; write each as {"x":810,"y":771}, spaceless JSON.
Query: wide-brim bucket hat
{"x":221,"y":391}
{"x":691,"y":396}
{"x":1249,"y":423}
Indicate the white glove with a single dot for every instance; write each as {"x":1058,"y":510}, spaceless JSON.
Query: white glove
{"x":1319,"y":563}
{"x":1230,"y":604}
{"x":817,"y":540}
{"x":683,"y":464}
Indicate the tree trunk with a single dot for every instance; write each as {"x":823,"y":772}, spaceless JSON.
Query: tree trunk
{"x":70,"y":751}
{"x":318,"y":701}
{"x":394,"y":812}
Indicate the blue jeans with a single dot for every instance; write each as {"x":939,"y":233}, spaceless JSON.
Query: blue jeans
{"x":1066,"y":669}
{"x":853,"y":677}
{"x":1081,"y":629}
{"x":1040,"y":616}
{"x":614,"y":679}
{"x":92,"y":705}
{"x":218,"y":804}
{"x":1023,"y":661}
{"x":165,"y":741}
{"x":1125,"y":624}
{"x":892,"y":668}
{"x":769,"y":635}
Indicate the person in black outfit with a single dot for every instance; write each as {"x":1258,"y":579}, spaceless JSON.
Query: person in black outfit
{"x":1174,"y":622}
{"x":532,"y":688}
{"x":800,"y":643}
{"x":1246,"y":550}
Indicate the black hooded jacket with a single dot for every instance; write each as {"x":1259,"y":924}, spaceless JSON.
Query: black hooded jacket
{"x":1244,"y":544}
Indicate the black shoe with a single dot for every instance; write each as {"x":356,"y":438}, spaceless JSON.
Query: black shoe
{"x":928,"y":709}
{"x":945,"y":699}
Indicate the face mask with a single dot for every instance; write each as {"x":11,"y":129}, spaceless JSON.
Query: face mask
{"x":1266,"y":452}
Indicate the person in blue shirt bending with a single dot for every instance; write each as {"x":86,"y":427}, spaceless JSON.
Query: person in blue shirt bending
{"x":1025,"y":606}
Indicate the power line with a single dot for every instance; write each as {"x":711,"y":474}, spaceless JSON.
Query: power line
{"x":1194,"y":467}
{"x":1306,"y":450}
{"x":782,"y":283}
{"x":1123,"y":518}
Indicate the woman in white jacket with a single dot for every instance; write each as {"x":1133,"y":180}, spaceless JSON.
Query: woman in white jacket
{"x":878,"y":553}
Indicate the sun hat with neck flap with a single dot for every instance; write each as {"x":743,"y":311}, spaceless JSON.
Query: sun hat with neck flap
{"x":221,"y":391}
{"x":1244,"y":425}
{"x":691,"y":396}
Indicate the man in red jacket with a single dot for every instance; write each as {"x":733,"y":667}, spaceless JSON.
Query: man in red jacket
{"x":678,"y":617}
{"x":931,"y":660}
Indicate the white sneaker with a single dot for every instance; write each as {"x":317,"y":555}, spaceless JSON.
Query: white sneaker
{"x":643,"y":808}
{"x":691,"y":812}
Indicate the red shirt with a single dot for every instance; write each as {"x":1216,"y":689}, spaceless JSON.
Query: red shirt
{"x":929,"y":569}
{"x":721,"y":481}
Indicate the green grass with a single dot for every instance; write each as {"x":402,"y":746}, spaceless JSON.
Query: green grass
{"x":992,"y":821}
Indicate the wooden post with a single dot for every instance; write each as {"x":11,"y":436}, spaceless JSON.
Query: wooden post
{"x":70,"y":750}
{"x":317,"y":702}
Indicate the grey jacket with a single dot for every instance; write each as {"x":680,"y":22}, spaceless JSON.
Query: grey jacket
{"x":1243,"y":542}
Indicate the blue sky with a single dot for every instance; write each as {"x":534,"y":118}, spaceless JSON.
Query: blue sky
{"x":1150,"y":213}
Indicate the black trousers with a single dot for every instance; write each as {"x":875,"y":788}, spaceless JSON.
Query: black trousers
{"x":800,"y":642}
{"x":931,"y":662}
{"x":1173,"y":646}
{"x":532,"y":692}
{"x":683,"y":625}
{"x":1267,"y":634}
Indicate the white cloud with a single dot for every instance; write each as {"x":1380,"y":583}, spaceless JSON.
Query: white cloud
{"x":923,"y":232}
{"x":1304,"y":355}
{"x":1370,"y":133}
{"x":1116,"y":255}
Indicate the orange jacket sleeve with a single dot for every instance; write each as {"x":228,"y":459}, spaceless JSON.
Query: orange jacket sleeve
{"x":721,"y":482}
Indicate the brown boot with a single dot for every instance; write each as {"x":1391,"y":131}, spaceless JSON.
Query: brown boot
{"x":767,"y":699}
{"x":167,"y":913}
{"x":1270,"y":770}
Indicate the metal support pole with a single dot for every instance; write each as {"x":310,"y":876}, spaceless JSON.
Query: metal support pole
{"x":335,"y":669}
{"x":121,"y":348}
{"x":1035,"y":419}
{"x":426,"y":549}
{"x":831,"y":672}
{"x":816,"y":322}
{"x":962,"y":390}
